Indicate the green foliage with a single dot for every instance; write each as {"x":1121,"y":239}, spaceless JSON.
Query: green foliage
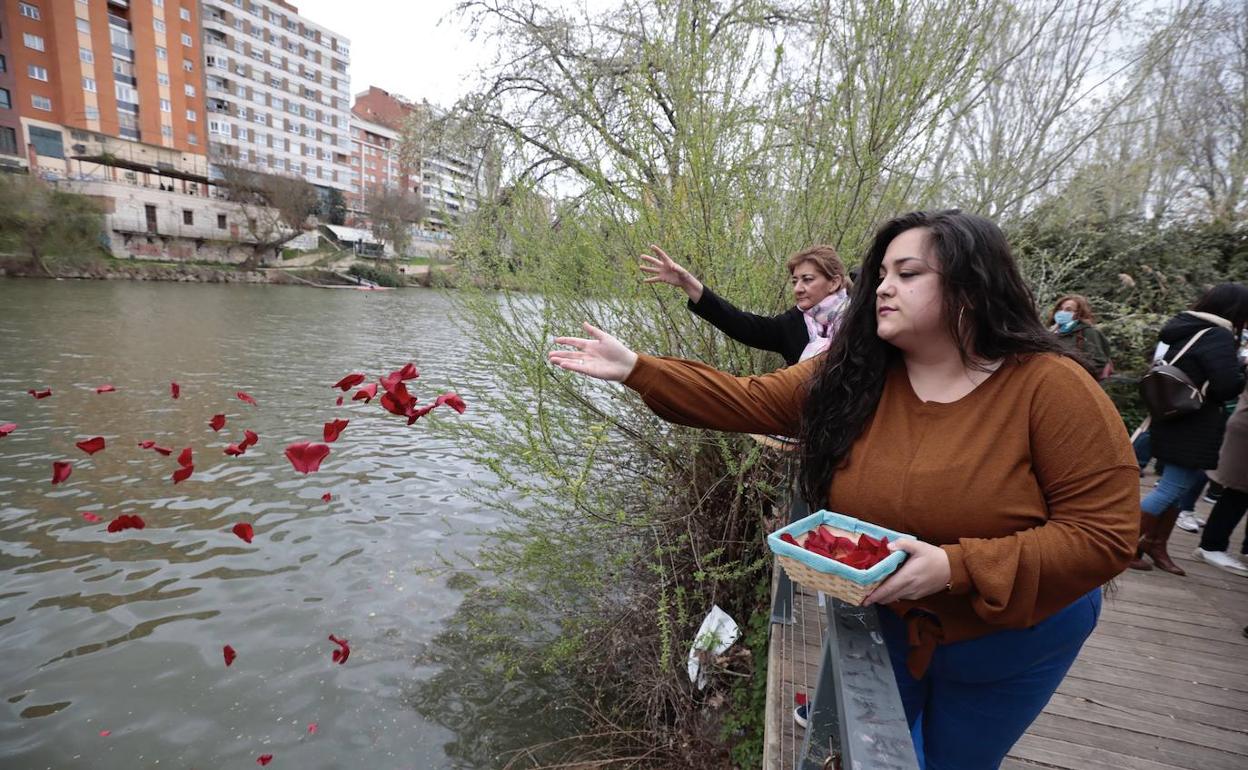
{"x":377,"y":275}
{"x":43,"y":221}
{"x":334,"y":207}
{"x":744,"y":724}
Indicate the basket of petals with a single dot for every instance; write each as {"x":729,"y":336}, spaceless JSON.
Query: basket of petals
{"x":837,"y":554}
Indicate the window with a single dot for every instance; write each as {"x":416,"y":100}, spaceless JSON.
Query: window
{"x":166,"y":131}
{"x":188,"y":65}
{"x":158,"y":25}
{"x":220,"y":221}
{"x":162,"y":53}
{"x":8,"y":141}
{"x":125,"y":93}
{"x":188,"y":217}
{"x":162,"y":78}
{"x":28,"y":10}
{"x":36,"y":72}
{"x":47,"y":142}
{"x":184,"y":14}
{"x":41,"y":102}
{"x":186,"y":40}
{"x":83,"y":26}
{"x":85,"y":55}
{"x":93,"y":113}
{"x":192,"y":139}
{"x":88,"y":85}
{"x":165,"y":106}
{"x":190,"y":89}
{"x":6,"y":101}
{"x":191,"y":116}
{"x":32,"y":41}
{"x":158,"y":3}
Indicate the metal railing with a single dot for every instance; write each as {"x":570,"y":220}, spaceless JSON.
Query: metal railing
{"x":855,"y":719}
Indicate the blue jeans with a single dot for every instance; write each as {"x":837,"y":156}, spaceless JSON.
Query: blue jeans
{"x":979,"y":696}
{"x":1143,"y":446}
{"x":1178,"y":484}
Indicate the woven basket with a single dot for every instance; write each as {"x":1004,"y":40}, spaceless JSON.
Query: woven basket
{"x":820,"y":573}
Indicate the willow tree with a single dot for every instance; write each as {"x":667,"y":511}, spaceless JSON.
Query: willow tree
{"x":732,"y":134}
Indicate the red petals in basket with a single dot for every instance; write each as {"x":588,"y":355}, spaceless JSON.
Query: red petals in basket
{"x":864,"y":554}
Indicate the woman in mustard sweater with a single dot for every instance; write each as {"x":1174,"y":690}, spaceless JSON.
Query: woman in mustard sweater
{"x":944,"y":408}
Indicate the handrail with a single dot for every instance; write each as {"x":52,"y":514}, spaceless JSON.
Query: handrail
{"x":856,"y":718}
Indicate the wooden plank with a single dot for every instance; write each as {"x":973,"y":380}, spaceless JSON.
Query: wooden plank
{"x":1132,"y":747}
{"x":1172,"y":669}
{"x":1131,"y":634}
{"x":1226,"y":633}
{"x":1162,"y":653}
{"x":1148,"y":724}
{"x":1172,"y":706}
{"x":1056,"y":753}
{"x":1164,"y":687}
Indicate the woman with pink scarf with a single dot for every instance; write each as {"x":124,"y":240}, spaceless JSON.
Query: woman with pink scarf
{"x":820,"y":291}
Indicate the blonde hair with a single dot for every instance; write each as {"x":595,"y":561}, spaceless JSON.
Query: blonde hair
{"x":825,"y":260}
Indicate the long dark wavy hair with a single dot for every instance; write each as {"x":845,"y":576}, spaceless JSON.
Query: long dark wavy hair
{"x":990,"y":312}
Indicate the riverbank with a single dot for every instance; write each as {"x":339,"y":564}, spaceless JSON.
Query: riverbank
{"x":109,"y":269}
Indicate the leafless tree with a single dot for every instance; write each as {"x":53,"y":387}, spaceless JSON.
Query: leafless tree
{"x":393,"y":213}
{"x":275,"y":209}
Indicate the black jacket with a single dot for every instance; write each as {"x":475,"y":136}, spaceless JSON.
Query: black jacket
{"x":785,"y":334}
{"x":1193,"y":440}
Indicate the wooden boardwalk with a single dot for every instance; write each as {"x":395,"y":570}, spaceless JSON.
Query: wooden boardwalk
{"x":1162,"y":684}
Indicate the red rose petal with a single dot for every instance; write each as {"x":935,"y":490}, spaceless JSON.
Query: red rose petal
{"x":349,"y":382}
{"x":338,"y":402}
{"x":126,"y":521}
{"x":91,"y":445}
{"x":7,"y":428}
{"x":799,"y":698}
{"x":453,"y":401}
{"x":786,"y":537}
{"x":343,"y":652}
{"x":312,"y":728}
{"x":250,"y":439}
{"x":184,"y":458}
{"x":414,"y":413}
{"x":230,"y":655}
{"x":333,"y":430}
{"x":61,"y":471}
{"x":366,"y":393}
{"x":327,"y":497}
{"x":105,"y":389}
{"x":306,"y":457}
{"x":164,"y":450}
{"x":408,"y":372}
{"x":234,"y":450}
{"x":91,"y":517}
{"x":242,"y":396}
{"x":244,"y":532}
{"x":105,"y":733}
{"x":175,"y":389}
{"x":38,"y":394}
{"x":217,"y":422}
{"x":264,"y":759}
{"x":183,"y":473}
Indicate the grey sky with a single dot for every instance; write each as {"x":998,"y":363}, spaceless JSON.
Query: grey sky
{"x":399,"y":45}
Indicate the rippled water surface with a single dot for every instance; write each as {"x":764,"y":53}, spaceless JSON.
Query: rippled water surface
{"x":124,"y":632}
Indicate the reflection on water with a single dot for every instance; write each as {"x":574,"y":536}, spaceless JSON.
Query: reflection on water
{"x":123,"y":632}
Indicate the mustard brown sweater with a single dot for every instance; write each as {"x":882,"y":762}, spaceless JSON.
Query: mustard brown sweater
{"x":1028,"y":483}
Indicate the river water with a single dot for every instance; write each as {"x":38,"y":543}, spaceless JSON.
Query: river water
{"x":124,"y":632}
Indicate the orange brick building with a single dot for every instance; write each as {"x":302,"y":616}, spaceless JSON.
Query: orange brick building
{"x":106,"y":79}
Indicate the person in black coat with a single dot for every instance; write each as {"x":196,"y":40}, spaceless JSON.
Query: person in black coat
{"x":820,"y":293}
{"x":1189,"y":444}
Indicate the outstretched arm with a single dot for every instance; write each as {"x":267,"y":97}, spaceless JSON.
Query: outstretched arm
{"x":663,"y":269}
{"x":690,"y":393}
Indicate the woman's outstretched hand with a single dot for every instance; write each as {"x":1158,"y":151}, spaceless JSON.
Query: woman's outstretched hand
{"x":603,"y":357}
{"x":662,"y":269}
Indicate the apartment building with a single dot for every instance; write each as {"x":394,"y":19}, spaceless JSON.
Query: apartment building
{"x":376,"y":168}
{"x":448,"y":184}
{"x":98,"y":85}
{"x":278,"y":93}
{"x":11,"y":155}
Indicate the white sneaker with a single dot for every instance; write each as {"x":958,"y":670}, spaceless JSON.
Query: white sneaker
{"x":1188,"y":523}
{"x":1222,"y":560}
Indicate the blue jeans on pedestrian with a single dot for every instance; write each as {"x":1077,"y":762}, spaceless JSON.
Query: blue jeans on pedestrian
{"x":979,"y":696}
{"x":1176,"y":486}
{"x":1143,"y":446}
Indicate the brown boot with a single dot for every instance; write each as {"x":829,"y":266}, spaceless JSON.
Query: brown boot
{"x":1147,"y":523}
{"x":1156,"y":549}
